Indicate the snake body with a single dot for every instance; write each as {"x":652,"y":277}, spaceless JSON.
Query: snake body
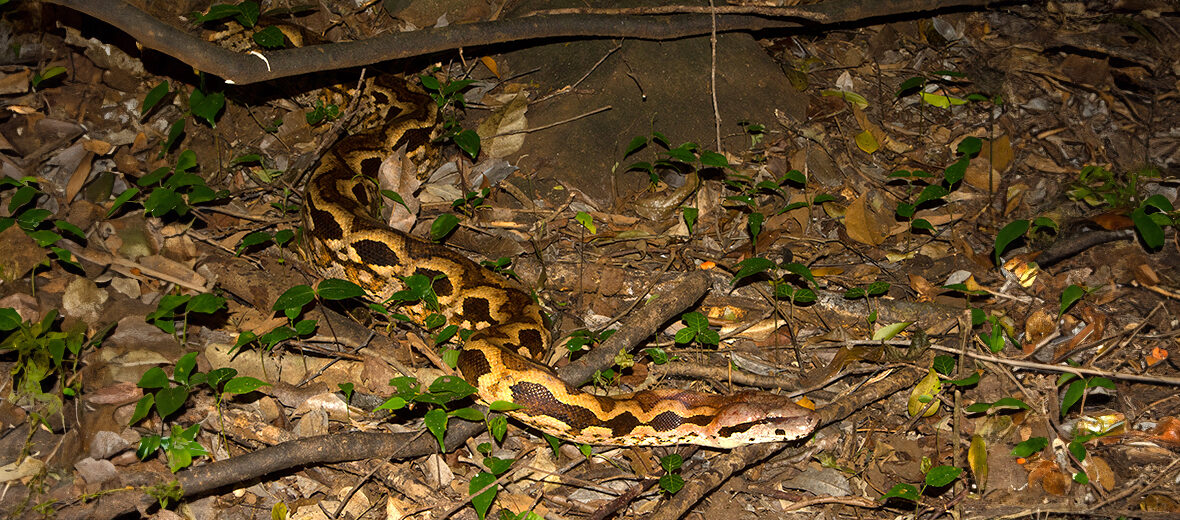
{"x":345,"y":240}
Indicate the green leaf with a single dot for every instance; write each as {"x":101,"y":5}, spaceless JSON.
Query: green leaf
{"x":1069,"y":296}
{"x":253,"y":239}
{"x":970,"y":146}
{"x":205,"y":303}
{"x":49,"y":73}
{"x":690,"y":217}
{"x":208,"y":107}
{"x":1011,"y":403}
{"x":70,"y":228}
{"x":637,"y":143}
{"x":174,"y":133}
{"x":586,"y":221}
{"x":451,"y":386}
{"x":754,"y":222}
{"x":497,"y":465}
{"x":217,"y":376}
{"x":910,"y":85}
{"x":269,"y":37}
{"x":889,"y":331}
{"x":122,"y":199}
{"x":393,"y":403}
{"x":436,"y":422}
{"x":671,"y":483}
{"x":154,"y":96}
{"x":443,"y":226}
{"x":1009,"y":234}
{"x":929,"y":193}
{"x":750,"y":267}
{"x":966,"y":381}
{"x":944,"y":364}
{"x":169,"y":400}
{"x":9,"y":319}
{"x":483,"y":501}
{"x":1029,"y":447}
{"x":956,"y":171}
{"x":942,"y":475}
{"x":902,"y":491}
{"x":468,"y":141}
{"x":294,"y":298}
{"x":497,"y":427}
{"x":714,"y":159}
{"x":503,"y":406}
{"x":1150,"y":231}
{"x":184,"y":368}
{"x":1073,"y":394}
{"x":219,"y":12}
{"x":671,"y":462}
{"x":142,"y":407}
{"x":153,"y":378}
{"x":337,"y":289}
{"x":941,"y":101}
{"x":243,"y":385}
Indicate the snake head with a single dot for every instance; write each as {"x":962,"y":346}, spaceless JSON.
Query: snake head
{"x":752,"y":417}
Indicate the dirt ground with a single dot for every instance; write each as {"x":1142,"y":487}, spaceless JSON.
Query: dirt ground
{"x":952,"y":234}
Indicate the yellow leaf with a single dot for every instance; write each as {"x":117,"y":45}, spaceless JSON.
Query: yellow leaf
{"x":491,"y":65}
{"x":977,"y":460}
{"x":923,"y":392}
{"x":941,"y":101}
{"x":866,"y":142}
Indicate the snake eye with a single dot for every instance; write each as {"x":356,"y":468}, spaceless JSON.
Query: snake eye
{"x":780,"y":432}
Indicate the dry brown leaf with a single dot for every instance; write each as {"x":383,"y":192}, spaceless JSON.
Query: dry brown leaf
{"x":1099,"y":471}
{"x":97,"y":147}
{"x":1167,"y":431}
{"x":1112,"y":221}
{"x":863,"y":222}
{"x":505,"y":125}
{"x":926,"y":290}
{"x":1050,"y":478}
{"x":1037,"y":326}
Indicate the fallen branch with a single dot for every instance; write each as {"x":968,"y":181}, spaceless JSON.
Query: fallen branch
{"x":240,"y":68}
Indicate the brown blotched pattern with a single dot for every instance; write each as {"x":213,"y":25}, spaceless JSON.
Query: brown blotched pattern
{"x":345,"y":240}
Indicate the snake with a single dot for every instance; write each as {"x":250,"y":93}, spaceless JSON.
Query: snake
{"x":343,"y":238}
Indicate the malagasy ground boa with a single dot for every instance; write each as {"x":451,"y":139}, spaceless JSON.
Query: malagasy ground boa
{"x":345,"y":240}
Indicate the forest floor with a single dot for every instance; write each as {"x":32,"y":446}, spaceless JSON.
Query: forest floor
{"x":954,"y":236}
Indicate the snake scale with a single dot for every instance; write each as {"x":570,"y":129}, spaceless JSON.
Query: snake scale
{"x":345,"y":240}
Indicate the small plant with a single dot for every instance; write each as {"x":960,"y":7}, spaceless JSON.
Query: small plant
{"x":36,"y":222}
{"x":671,"y":481}
{"x":168,"y":311}
{"x":172,"y":189}
{"x":686,"y":158}
{"x":784,"y":287}
{"x":1076,"y":387}
{"x":936,"y":477}
{"x":247,"y":14}
{"x":494,"y":468}
{"x":280,"y":238}
{"x":169,"y":396}
{"x":470,"y":202}
{"x":696,"y":329}
{"x":47,"y":74}
{"x":447,"y":95}
{"x":42,"y":355}
{"x":291,"y":303}
{"x":934,"y":193}
{"x":322,"y":113}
